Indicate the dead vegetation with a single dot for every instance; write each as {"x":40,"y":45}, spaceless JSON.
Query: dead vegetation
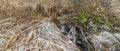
{"x":29,"y":24}
{"x":24,"y":27}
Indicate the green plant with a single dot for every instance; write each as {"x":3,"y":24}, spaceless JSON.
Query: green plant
{"x":83,"y":17}
{"x":99,"y":21}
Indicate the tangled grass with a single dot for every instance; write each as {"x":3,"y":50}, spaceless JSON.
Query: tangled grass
{"x":28,"y":24}
{"x":23,"y":32}
{"x":23,"y":27}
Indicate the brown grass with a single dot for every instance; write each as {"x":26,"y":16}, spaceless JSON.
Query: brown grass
{"x":24,"y":27}
{"x":26,"y":24}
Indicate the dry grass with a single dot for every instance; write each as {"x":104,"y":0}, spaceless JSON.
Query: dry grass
{"x":41,"y":36}
{"x":26,"y":24}
{"x":23,"y":27}
{"x":116,"y":7}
